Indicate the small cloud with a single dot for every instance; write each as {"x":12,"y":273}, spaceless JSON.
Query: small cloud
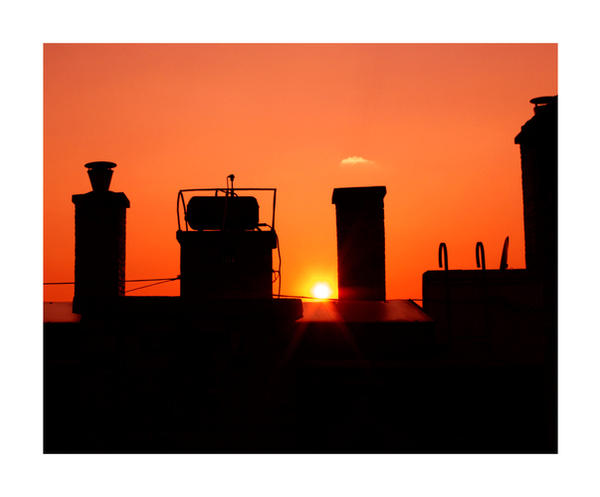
{"x":355,"y":160}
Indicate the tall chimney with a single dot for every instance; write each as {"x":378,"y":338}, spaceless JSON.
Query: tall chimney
{"x":360,"y":242}
{"x":99,"y":240}
{"x":538,"y":140}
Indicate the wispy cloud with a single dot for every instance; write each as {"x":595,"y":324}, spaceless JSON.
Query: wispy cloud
{"x":355,"y":160}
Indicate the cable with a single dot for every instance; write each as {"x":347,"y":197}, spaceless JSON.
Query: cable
{"x":279,"y":266}
{"x":159,"y":281}
{"x":278,"y":270}
{"x":126,"y":281}
{"x":152,"y":284}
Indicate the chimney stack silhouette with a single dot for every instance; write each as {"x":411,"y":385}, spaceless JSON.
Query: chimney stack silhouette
{"x":538,"y":141}
{"x":360,"y":242}
{"x":99,"y":241}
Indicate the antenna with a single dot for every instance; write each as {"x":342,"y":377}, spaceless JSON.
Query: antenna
{"x":504,"y":258}
{"x":229,"y":191}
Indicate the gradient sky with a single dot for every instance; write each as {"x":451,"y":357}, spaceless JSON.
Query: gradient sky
{"x":434,"y":123}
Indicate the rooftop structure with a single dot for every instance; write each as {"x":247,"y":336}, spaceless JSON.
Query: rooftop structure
{"x":229,"y":366}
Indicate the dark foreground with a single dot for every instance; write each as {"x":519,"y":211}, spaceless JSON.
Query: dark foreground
{"x":187,"y":384}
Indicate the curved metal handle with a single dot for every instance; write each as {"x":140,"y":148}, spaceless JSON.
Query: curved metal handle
{"x":480,"y":261}
{"x":182,"y":200}
{"x":443,"y":256}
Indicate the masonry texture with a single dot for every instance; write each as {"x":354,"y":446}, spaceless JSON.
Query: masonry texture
{"x":360,"y":242}
{"x":538,"y":141}
{"x":99,"y":247}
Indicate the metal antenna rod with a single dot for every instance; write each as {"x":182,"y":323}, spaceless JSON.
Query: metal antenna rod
{"x":504,"y":258}
{"x":231,"y":177}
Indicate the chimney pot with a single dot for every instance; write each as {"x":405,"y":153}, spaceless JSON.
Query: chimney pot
{"x":100,"y":173}
{"x":99,"y":241}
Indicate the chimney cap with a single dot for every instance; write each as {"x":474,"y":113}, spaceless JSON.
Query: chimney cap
{"x":544,"y":100}
{"x":100,"y":164}
{"x":358,"y":194}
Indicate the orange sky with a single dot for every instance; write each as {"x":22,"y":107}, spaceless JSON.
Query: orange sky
{"x":435,"y":122}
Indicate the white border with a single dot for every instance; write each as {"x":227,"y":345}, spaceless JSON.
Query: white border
{"x":29,"y":24}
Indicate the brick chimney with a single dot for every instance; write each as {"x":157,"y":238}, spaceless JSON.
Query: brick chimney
{"x":99,"y":241}
{"x":360,"y":242}
{"x":538,"y":140}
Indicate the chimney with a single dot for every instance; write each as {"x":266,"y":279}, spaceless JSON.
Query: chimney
{"x":360,"y":242}
{"x":538,"y":140}
{"x":99,"y":241}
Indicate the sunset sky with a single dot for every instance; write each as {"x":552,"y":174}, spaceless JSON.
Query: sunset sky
{"x":435,"y":124}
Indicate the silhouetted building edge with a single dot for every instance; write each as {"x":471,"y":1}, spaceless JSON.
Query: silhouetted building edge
{"x":538,"y":141}
{"x":360,"y":242}
{"x":100,"y":224}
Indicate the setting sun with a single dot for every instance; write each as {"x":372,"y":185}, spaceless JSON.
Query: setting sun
{"x":305,"y":119}
{"x":321,"y":291}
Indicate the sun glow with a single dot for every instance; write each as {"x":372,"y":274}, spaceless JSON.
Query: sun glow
{"x":321,"y":291}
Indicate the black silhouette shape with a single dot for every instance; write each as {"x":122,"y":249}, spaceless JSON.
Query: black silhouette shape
{"x":538,"y":141}
{"x":360,"y":242}
{"x":100,"y":217}
{"x":100,"y":173}
{"x":443,"y":256}
{"x":480,"y":255}
{"x":504,"y":257}
{"x":225,"y":367}
{"x":225,"y":255}
{"x":508,"y":317}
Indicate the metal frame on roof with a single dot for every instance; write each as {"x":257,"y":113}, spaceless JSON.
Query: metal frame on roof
{"x":227,"y":192}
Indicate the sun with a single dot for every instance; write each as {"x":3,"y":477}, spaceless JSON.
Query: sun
{"x":321,"y":291}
